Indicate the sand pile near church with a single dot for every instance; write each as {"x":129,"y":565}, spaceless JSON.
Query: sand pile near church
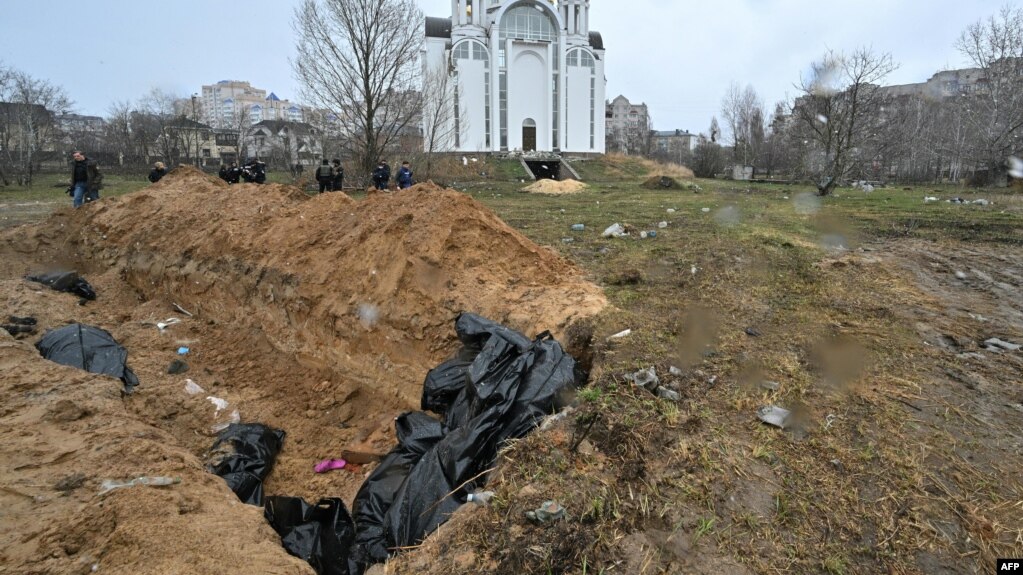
{"x":555,"y":187}
{"x":318,"y":315}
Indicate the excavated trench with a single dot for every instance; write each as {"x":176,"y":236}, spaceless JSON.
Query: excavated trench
{"x":319,"y":316}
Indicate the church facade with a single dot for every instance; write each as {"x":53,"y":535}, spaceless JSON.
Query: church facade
{"x":522,"y":75}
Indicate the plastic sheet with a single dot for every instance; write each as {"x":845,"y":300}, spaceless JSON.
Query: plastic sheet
{"x":69,"y":282}
{"x":89,"y":348}
{"x":244,"y":454}
{"x":320,"y":534}
{"x":510,"y":385}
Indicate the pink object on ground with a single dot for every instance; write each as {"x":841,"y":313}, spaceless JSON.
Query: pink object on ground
{"x":330,"y":465}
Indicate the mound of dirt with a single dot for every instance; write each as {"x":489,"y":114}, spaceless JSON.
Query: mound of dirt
{"x":660,"y":183}
{"x":317,"y":315}
{"x":555,"y":187}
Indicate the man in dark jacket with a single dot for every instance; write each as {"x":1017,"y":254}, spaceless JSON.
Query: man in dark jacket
{"x":381,"y":176}
{"x":234,"y":174}
{"x":325,"y":176}
{"x":159,"y":171}
{"x":339,"y":176}
{"x":85,"y":179}
{"x":404,"y":177}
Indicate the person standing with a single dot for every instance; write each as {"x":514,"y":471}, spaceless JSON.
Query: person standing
{"x":159,"y":170}
{"x":339,"y":175}
{"x":404,"y":178}
{"x":222,"y":174}
{"x":85,"y":179}
{"x":325,"y":176}
{"x":381,"y":176}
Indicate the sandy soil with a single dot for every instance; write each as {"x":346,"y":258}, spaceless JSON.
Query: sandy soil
{"x":317,"y":315}
{"x":555,"y":187}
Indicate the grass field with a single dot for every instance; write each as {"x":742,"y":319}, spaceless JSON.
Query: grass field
{"x":890,"y":464}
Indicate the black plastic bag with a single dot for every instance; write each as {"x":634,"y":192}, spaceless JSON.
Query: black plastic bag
{"x":89,"y":348}
{"x":417,"y":433}
{"x":510,"y":384}
{"x":69,"y":282}
{"x":244,"y":454}
{"x":322,"y":535}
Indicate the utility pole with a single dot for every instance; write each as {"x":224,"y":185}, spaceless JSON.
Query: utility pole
{"x":195,"y":129}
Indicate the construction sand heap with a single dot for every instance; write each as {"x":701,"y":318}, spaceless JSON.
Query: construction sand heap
{"x":317,"y":315}
{"x":555,"y":187}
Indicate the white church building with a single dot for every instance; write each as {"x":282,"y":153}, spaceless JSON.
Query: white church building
{"x":523,"y":75}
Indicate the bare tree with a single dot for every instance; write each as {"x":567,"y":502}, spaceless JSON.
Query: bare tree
{"x":714,"y":132}
{"x":27,"y":124}
{"x":359,"y":59}
{"x":994,"y":114}
{"x":744,"y":113}
{"x":442,"y":125}
{"x":839,"y":112}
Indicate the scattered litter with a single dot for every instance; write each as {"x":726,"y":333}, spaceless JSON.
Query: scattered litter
{"x":64,"y":281}
{"x":552,"y":419}
{"x":674,"y":370}
{"x":773,"y":415}
{"x":693,"y":270}
{"x":549,"y":512}
{"x":995,"y":344}
{"x":662,"y":225}
{"x":329,"y":465}
{"x":671,"y":210}
{"x":669,"y":394}
{"x":21,"y":320}
{"x":192,"y":388}
{"x":110,"y":484}
{"x":645,"y":378}
{"x":957,"y":200}
{"x":705,"y":210}
{"x":978,"y":317}
{"x":928,"y":199}
{"x":770,"y":385}
{"x":981,"y":202}
{"x":753,"y":332}
{"x":621,"y":334}
{"x":220,"y":404}
{"x":578,"y":227}
{"x":235,"y":417}
{"x":89,"y":348}
{"x":181,"y":309}
{"x":830,"y":420}
{"x":480,"y":497}
{"x":961,"y":275}
{"x":567,"y":240}
{"x":615,"y":230}
{"x":162,"y":325}
{"x":648,"y":234}
{"x":183,"y":351}
{"x":838,"y":465}
{"x":177,"y":367}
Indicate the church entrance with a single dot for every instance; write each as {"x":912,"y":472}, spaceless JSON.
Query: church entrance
{"x":529,"y":135}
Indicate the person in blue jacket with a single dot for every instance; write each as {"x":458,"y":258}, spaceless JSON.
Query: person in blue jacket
{"x":404,"y":176}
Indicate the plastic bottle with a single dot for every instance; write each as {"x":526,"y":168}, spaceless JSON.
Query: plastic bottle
{"x":480,"y":498}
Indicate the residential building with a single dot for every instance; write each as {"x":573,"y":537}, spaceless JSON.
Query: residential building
{"x":528,"y":75}
{"x":234,"y":104}
{"x":284,"y":144}
{"x":628,"y":125}
{"x":944,"y":84}
{"x":675,"y":140}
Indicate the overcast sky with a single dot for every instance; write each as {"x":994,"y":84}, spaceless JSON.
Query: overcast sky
{"x":677,"y":56}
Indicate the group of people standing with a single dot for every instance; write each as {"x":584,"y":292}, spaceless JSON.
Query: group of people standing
{"x":330,"y":176}
{"x":251,"y":172}
{"x":382,"y":176}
